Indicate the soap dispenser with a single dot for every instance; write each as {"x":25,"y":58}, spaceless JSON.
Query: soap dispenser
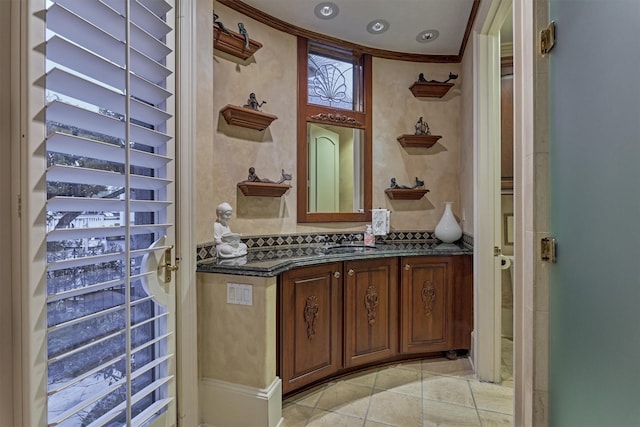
{"x":369,"y":238}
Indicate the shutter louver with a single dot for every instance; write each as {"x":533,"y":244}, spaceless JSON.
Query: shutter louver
{"x":109,"y":147}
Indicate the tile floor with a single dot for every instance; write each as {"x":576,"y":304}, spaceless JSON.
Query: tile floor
{"x":433,"y":392}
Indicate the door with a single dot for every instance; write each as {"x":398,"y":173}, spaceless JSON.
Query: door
{"x":310,"y":320}
{"x":110,"y":300}
{"x":371,"y":304}
{"x":324,"y":170}
{"x":426,"y":304}
{"x":594,"y":210}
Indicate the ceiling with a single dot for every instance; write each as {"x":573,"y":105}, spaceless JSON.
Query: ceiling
{"x":406,"y":19}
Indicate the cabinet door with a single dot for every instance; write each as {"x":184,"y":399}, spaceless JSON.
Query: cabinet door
{"x":426,"y":308}
{"x":371,"y":306}
{"x":310,"y":319}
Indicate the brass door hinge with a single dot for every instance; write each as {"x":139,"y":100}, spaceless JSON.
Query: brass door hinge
{"x":548,"y":249}
{"x":548,"y":38}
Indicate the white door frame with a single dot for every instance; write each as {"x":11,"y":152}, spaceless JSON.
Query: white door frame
{"x":486,"y":113}
{"x":186,"y":314}
{"x":486,"y":45}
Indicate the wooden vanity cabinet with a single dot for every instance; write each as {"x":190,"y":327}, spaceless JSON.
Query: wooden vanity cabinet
{"x":310,"y":324}
{"x":436,"y":304}
{"x":337,"y":317}
{"x":370,"y":310}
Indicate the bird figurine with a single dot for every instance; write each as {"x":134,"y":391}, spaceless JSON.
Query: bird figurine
{"x":285,"y":177}
{"x":451,"y":77}
{"x":419,"y":183}
{"x":243,"y":32}
{"x":220,"y":25}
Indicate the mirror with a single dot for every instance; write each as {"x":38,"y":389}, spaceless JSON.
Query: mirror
{"x":334,"y":168}
{"x":336,"y":162}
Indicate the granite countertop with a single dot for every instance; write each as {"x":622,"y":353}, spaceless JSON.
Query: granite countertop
{"x":271,"y":262}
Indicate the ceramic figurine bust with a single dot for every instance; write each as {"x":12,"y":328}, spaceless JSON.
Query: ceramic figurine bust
{"x":228,"y":244}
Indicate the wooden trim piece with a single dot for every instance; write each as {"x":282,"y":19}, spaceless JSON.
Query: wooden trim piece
{"x":406,"y":193}
{"x":246,"y":117}
{"x":234,"y":44}
{"x":418,"y":141}
{"x":467,"y":32}
{"x":336,"y":119}
{"x":265,"y":189}
{"x":286,"y":27}
{"x":306,"y":110}
{"x":430,"y":89}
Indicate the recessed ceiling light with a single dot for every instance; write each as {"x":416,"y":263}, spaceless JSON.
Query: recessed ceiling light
{"x":378,"y":26}
{"x":326,"y":10}
{"x":427,"y":36}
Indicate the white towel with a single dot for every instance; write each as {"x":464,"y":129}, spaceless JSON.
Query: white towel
{"x":380,"y":221}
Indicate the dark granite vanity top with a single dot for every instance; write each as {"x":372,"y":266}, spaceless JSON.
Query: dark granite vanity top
{"x":271,"y":262}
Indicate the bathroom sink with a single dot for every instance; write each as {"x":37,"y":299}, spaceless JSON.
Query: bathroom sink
{"x":347,"y":249}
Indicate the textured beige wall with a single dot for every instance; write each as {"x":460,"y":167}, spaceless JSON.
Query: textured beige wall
{"x":466,"y":148}
{"x":237,"y":343}
{"x":206,"y":117}
{"x":271,"y":74}
{"x":229,"y":151}
{"x":395,"y":112}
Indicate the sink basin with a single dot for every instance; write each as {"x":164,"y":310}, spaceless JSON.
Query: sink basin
{"x":347,"y":249}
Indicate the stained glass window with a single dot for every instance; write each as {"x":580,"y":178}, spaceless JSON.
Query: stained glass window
{"x":333,"y":82}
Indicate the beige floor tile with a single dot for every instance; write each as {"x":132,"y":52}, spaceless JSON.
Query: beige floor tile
{"x":395,"y":409}
{"x":369,"y":423}
{"x":492,"y":397}
{"x":309,"y":397}
{"x":295,"y":415}
{"x":345,"y":398}
{"x":414,"y":365}
{"x":458,"y":368}
{"x":366,"y":378}
{"x":443,"y":414}
{"x":495,"y":419}
{"x":399,"y":380}
{"x":447,"y":389}
{"x":321,"y":418}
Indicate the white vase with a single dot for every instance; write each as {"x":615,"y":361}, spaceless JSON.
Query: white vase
{"x":448,"y":229}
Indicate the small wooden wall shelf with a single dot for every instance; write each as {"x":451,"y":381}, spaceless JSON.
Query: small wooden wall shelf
{"x":430,"y":89}
{"x":234,"y":44}
{"x":406,"y":193}
{"x":246,"y":117}
{"x":420,"y":141}
{"x":265,"y":189}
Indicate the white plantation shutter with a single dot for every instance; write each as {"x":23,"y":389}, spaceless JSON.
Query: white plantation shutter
{"x":110,"y":145}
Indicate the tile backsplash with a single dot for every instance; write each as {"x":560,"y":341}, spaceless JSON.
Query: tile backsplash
{"x":206,"y":251}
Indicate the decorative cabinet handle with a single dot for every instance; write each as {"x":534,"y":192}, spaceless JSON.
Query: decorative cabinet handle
{"x":336,"y":274}
{"x":351,"y":272}
{"x":407,"y":267}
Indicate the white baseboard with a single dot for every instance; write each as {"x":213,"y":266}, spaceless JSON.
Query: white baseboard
{"x":235,"y":405}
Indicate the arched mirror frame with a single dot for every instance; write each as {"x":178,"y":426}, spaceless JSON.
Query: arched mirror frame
{"x":305,"y":113}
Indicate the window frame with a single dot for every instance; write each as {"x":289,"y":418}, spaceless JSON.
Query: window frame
{"x":305,"y":111}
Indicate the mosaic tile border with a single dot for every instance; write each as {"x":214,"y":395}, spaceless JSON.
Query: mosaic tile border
{"x":205,"y":251}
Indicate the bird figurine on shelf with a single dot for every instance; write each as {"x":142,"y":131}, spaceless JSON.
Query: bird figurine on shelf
{"x":451,"y":77}
{"x":243,"y":32}
{"x":219,"y":24}
{"x":285,"y":177}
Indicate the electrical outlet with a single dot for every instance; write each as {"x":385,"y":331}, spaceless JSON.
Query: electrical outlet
{"x":239,"y":294}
